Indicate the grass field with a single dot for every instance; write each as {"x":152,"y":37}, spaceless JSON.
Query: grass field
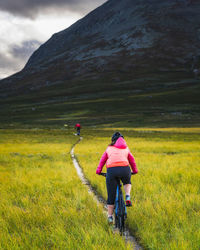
{"x":165,"y":192}
{"x":43,"y":203}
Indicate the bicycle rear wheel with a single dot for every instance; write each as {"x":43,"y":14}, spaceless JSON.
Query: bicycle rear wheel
{"x":120,"y":214}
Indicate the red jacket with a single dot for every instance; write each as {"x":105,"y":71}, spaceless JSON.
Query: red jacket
{"x":77,"y":125}
{"x":117,"y":155}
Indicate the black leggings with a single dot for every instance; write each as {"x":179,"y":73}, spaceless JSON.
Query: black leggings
{"x":124,"y":173}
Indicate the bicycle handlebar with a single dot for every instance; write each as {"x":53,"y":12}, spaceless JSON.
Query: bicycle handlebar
{"x":104,"y":174}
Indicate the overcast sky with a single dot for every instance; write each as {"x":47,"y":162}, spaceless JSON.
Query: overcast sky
{"x":25,"y":24}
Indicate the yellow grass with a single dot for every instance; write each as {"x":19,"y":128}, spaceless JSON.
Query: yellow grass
{"x":43,"y":204}
{"x":165,"y":193}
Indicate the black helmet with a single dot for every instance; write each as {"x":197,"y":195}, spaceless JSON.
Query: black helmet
{"x":115,"y":136}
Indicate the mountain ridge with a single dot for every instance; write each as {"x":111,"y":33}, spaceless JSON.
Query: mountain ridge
{"x":117,"y":38}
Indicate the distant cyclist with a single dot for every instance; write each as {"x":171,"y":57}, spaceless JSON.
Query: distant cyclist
{"x":117,"y":158}
{"x":78,"y":128}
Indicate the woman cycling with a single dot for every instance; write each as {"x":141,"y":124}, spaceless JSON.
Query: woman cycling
{"x":117,"y":158}
{"x":78,"y":128}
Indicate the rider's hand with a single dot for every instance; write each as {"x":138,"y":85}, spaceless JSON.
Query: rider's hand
{"x":98,"y":171}
{"x":132,"y":173}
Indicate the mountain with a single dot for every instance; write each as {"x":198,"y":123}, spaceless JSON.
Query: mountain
{"x":128,"y":59}
{"x":120,"y":39}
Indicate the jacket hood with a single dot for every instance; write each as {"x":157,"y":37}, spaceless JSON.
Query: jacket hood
{"x":120,"y":143}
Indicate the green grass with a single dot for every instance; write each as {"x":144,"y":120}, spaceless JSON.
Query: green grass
{"x":165,"y":192}
{"x":43,"y":204}
{"x":156,"y":100}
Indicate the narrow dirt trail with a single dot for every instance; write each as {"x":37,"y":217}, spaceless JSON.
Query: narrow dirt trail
{"x":128,"y":237}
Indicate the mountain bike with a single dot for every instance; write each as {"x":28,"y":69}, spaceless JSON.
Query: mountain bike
{"x":120,"y":207}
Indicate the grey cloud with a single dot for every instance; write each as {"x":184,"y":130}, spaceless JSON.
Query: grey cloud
{"x":24,"y":50}
{"x":8,"y":65}
{"x":6,"y":62}
{"x":30,"y":8}
{"x":16,"y":58}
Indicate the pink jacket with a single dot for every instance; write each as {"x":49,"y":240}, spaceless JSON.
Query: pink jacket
{"x":77,"y":125}
{"x":117,"y":155}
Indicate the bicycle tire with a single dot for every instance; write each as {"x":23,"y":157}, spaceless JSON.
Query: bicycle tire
{"x":121,"y":215}
{"x":116,"y":220}
{"x":121,"y":224}
{"x":117,"y":216}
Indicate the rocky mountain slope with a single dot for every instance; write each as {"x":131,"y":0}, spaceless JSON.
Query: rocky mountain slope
{"x":119,"y":40}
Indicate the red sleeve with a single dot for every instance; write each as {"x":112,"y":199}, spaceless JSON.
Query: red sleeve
{"x":132,"y":163}
{"x":102,"y":162}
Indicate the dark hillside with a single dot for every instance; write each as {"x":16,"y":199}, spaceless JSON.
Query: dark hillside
{"x":130,"y":59}
{"x":141,"y":102}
